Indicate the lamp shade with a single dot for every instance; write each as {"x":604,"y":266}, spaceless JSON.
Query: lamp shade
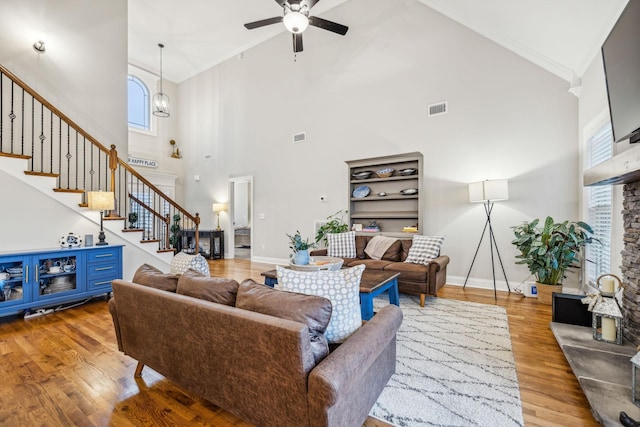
{"x":295,"y":22}
{"x":100,"y":200}
{"x":219,"y":207}
{"x":489,"y":190}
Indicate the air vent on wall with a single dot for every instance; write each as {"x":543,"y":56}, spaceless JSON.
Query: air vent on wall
{"x":437,"y":109}
{"x":299,"y":137}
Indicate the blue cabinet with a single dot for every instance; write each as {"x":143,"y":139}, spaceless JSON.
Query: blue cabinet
{"x":36,"y":279}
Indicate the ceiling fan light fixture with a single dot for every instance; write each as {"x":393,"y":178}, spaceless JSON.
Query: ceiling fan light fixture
{"x":296,"y":22}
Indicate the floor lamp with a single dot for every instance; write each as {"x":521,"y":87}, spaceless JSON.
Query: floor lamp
{"x":487,"y":192}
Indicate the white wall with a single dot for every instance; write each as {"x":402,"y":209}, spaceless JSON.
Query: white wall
{"x":365,"y":95}
{"x":83,"y":72}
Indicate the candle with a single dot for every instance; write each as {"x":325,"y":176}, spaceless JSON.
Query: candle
{"x":608,"y":329}
{"x":608,"y":284}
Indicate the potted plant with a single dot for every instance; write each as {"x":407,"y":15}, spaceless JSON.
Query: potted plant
{"x":133,"y":218}
{"x":300,"y":248}
{"x":549,"y":251}
{"x":334,"y":225}
{"x":174,"y":239}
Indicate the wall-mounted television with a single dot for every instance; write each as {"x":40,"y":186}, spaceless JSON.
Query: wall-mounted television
{"x":621,"y":58}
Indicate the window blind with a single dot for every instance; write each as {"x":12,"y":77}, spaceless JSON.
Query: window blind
{"x":599,"y":206}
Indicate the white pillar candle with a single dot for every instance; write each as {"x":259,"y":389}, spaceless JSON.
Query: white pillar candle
{"x":608,"y":329}
{"x":608,"y":284}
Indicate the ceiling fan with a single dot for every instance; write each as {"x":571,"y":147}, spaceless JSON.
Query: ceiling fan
{"x":296,"y":19}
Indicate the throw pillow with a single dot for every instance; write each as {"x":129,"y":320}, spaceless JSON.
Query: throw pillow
{"x":342,"y":245}
{"x":215,"y":289}
{"x":183,"y":261}
{"x":148,"y":275}
{"x":313,"y":311}
{"x":341,"y":287}
{"x":424,"y":248}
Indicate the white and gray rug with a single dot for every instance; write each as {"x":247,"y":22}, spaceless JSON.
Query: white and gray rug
{"x":454,"y":367}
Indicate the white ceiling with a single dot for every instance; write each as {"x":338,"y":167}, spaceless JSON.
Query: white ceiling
{"x":562,"y":36}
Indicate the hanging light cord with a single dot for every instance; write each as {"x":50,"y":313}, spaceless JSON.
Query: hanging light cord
{"x":161,"y":47}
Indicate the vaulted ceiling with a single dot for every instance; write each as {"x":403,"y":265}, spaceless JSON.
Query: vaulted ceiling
{"x":561,"y":36}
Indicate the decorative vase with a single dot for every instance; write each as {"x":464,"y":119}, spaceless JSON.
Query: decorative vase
{"x":545,"y":292}
{"x":301,"y":257}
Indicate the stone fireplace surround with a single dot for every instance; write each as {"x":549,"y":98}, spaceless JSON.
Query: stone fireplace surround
{"x":631,"y":263}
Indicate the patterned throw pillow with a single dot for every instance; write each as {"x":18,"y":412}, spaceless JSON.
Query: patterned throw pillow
{"x":424,"y":248}
{"x":341,"y":287}
{"x":342,"y":245}
{"x":183,"y":261}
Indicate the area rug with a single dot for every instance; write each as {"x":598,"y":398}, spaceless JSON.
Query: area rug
{"x":454,"y":367}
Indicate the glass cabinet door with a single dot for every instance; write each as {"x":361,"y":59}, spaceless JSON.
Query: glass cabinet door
{"x":13,"y":275}
{"x":56,"y":274}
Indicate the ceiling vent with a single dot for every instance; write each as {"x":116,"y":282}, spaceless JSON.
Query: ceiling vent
{"x":437,"y":109}
{"x":299,"y":137}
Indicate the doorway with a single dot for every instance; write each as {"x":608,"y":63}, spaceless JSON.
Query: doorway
{"x":240,"y":215}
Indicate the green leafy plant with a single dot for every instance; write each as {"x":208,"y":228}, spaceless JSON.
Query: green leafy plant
{"x":334,"y":225}
{"x":549,"y":251}
{"x":174,"y":240}
{"x":296,"y":243}
{"x":133,"y":218}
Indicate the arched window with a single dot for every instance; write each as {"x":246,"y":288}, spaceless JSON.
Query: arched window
{"x":138,"y":99}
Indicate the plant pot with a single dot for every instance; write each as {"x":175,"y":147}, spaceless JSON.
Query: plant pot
{"x":301,"y":257}
{"x":545,"y":292}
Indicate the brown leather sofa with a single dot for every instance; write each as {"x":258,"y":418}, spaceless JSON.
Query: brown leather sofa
{"x":257,"y":366}
{"x":414,"y":279}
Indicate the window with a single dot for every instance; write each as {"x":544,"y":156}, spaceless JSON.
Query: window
{"x":598,"y":200}
{"x":138,"y":103}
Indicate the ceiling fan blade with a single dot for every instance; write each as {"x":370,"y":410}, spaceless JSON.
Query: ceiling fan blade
{"x":263,"y":22}
{"x":297,"y":42}
{"x":328,"y":25}
{"x":310,"y":3}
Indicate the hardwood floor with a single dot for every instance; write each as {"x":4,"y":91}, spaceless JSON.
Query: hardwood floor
{"x":64,"y":369}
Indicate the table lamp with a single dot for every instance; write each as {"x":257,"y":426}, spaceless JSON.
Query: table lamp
{"x":217,"y":208}
{"x":101,"y":201}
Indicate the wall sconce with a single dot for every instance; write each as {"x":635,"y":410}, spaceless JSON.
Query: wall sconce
{"x":101,"y":201}
{"x":176,"y":151}
{"x":39,"y":47}
{"x":606,"y":321}
{"x":217,"y":208}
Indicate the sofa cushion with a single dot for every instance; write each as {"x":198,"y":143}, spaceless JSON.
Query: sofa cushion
{"x":181,"y":262}
{"x":341,"y":287}
{"x":424,"y":249}
{"x":394,"y":253}
{"x":215,"y":289}
{"x":361,"y":243}
{"x":378,"y":247}
{"x":313,"y":311}
{"x":342,"y":245}
{"x":148,"y":275}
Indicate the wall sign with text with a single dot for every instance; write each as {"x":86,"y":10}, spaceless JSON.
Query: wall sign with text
{"x":147,"y":163}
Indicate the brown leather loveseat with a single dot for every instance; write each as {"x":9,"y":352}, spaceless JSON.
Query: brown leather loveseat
{"x":414,"y":279}
{"x":260,"y":367}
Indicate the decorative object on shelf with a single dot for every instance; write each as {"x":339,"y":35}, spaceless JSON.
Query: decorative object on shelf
{"x":409,"y":191}
{"x":217,"y":208}
{"x":300,"y":248}
{"x":335,"y":224}
{"x":101,"y":201}
{"x":133,"y":218}
{"x":357,"y":227}
{"x":161,"y":106}
{"x":407,"y":171}
{"x":174,"y":239}
{"x":176,"y":151}
{"x":410,"y":229}
{"x":607,"y":321}
{"x":385,"y":173}
{"x":361,"y":192}
{"x":361,"y":174}
{"x":382,"y":194}
{"x":561,"y":244}
{"x":607,"y":286}
{"x":70,"y":241}
{"x":635,"y":387}
{"x":372,"y":227}
{"x":487,"y":192}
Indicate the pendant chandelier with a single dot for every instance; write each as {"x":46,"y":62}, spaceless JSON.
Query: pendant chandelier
{"x":160,"y":99}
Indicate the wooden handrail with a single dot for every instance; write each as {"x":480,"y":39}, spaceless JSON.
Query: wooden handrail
{"x":53,"y":109}
{"x":149,"y":208}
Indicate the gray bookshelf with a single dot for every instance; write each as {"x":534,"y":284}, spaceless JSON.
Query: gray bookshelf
{"x":395,"y":210}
